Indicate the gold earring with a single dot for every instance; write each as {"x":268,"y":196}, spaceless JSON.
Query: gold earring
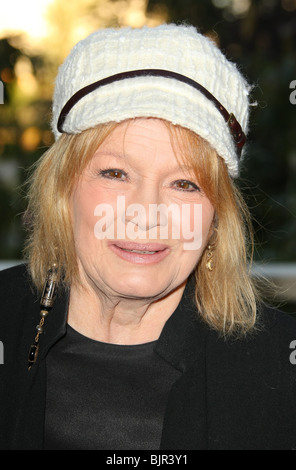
{"x":210,"y":262}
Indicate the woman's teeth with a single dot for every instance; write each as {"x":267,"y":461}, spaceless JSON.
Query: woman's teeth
{"x":140,"y":251}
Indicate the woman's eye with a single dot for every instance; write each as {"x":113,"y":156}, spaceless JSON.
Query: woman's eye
{"x":113,"y":173}
{"x":185,"y":185}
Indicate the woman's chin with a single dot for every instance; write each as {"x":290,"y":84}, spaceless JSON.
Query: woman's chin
{"x":141,"y":287}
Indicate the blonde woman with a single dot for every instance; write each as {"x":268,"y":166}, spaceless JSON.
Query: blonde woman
{"x":150,"y":330}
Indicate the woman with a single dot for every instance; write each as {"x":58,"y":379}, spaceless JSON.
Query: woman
{"x":151,"y":333}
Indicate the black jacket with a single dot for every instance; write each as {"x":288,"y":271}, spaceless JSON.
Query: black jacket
{"x":232,"y":395}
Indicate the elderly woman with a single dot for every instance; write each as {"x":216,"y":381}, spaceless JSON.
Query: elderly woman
{"x":150,"y":330}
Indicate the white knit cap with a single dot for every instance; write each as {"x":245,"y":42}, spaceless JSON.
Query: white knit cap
{"x":179,"y":49}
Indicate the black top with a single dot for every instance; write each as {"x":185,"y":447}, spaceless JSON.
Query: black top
{"x":105,"y":396}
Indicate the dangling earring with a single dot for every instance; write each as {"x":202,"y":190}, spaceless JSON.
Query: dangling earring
{"x":210,"y":262}
{"x":46,"y":303}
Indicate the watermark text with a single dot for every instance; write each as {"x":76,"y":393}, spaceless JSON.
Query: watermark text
{"x":1,"y":93}
{"x":293,"y":94}
{"x":293,"y":354}
{"x":1,"y":353}
{"x":157,"y":221}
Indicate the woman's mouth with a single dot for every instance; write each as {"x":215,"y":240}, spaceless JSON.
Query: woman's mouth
{"x":140,"y":253}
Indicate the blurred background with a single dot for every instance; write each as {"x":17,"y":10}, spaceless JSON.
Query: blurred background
{"x":259,"y":35}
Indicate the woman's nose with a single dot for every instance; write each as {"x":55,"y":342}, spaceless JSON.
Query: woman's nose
{"x":145,"y":209}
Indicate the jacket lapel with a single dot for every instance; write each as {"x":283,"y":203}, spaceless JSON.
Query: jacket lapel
{"x":183,"y":344}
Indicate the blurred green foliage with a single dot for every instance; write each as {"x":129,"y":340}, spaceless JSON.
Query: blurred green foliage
{"x":24,"y":134}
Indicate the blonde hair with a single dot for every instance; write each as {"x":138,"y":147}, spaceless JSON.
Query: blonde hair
{"x":226,"y":297}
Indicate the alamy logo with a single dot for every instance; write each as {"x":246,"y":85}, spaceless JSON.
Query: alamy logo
{"x":162,"y":222}
{"x":293,"y":94}
{"x":1,"y":93}
{"x":1,"y":353}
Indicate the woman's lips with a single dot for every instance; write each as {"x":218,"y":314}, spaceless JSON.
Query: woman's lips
{"x":140,"y":253}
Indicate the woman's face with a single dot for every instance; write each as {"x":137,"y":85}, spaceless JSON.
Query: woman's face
{"x":141,"y":222}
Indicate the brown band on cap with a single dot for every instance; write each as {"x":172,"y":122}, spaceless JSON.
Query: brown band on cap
{"x":234,"y":126}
